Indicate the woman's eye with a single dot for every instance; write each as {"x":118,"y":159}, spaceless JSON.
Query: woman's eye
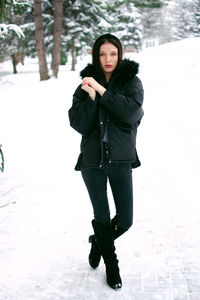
{"x":113,"y":54}
{"x":101,"y":54}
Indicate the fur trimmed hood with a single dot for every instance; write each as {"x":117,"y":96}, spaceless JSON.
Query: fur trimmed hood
{"x":124,"y":72}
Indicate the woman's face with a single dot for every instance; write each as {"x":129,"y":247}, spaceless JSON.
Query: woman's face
{"x":108,"y":57}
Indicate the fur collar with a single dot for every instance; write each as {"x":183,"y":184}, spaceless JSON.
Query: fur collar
{"x":125,"y":71}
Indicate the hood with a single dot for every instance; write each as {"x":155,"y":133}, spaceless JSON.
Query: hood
{"x":124,"y":72}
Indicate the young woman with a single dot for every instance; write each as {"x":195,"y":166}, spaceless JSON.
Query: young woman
{"x":106,"y":111}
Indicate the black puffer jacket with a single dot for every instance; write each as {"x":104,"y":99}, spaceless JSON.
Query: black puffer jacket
{"x":120,"y":109}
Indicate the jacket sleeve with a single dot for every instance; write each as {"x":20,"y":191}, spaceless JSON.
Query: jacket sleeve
{"x":83,"y":113}
{"x":128,"y":107}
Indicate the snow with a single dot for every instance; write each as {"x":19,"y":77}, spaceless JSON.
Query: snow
{"x":45,"y":212}
{"x":5,"y":28}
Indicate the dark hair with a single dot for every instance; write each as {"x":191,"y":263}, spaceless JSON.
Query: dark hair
{"x":105,"y":38}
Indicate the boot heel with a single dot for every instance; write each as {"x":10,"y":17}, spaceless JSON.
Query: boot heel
{"x":95,"y":255}
{"x":90,"y":239}
{"x":113,"y":277}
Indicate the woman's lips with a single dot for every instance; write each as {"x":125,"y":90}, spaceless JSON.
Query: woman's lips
{"x":108,"y":66}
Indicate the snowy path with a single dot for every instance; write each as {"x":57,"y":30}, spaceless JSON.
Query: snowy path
{"x":44,"y":209}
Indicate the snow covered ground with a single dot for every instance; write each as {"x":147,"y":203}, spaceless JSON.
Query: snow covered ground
{"x":45,"y":212}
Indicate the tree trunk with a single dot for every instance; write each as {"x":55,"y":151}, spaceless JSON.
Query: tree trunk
{"x":17,"y":58}
{"x":14,"y":63}
{"x":39,"y":35}
{"x":73,"y":48}
{"x":57,"y":30}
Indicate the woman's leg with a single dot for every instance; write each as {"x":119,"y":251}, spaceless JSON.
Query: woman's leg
{"x":120,"y":178}
{"x":103,"y":243}
{"x":96,"y":183}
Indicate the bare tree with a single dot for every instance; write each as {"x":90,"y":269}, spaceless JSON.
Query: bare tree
{"x":57,"y":30}
{"x":39,"y":35}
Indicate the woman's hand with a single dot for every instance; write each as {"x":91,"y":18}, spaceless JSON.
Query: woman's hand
{"x":91,"y":82}
{"x":89,"y":90}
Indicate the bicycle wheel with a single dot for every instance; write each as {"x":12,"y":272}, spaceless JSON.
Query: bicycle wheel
{"x":1,"y":160}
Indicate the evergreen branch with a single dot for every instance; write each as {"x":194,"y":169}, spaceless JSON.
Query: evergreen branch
{"x":149,"y":4}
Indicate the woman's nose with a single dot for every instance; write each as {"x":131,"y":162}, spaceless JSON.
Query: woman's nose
{"x":107,"y":58}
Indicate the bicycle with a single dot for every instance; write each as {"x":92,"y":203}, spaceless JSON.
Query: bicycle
{"x":1,"y":160}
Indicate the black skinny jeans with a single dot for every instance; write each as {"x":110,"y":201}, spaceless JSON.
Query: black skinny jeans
{"x":120,"y":179}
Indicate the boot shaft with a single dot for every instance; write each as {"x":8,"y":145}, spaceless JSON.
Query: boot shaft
{"x":105,"y":241}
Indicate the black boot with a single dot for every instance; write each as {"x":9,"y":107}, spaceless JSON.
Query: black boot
{"x":105,"y":241}
{"x":95,"y":254}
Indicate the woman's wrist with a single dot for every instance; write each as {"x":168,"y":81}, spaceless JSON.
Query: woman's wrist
{"x":92,"y":95}
{"x":101,"y":90}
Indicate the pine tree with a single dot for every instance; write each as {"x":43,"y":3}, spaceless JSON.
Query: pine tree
{"x":197,"y":18}
{"x":11,"y":32}
{"x":124,"y":20}
{"x":9,"y":9}
{"x":152,"y":12}
{"x":166,"y":23}
{"x":28,"y":27}
{"x":151,"y":20}
{"x":81,"y":25}
{"x":184,"y":22}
